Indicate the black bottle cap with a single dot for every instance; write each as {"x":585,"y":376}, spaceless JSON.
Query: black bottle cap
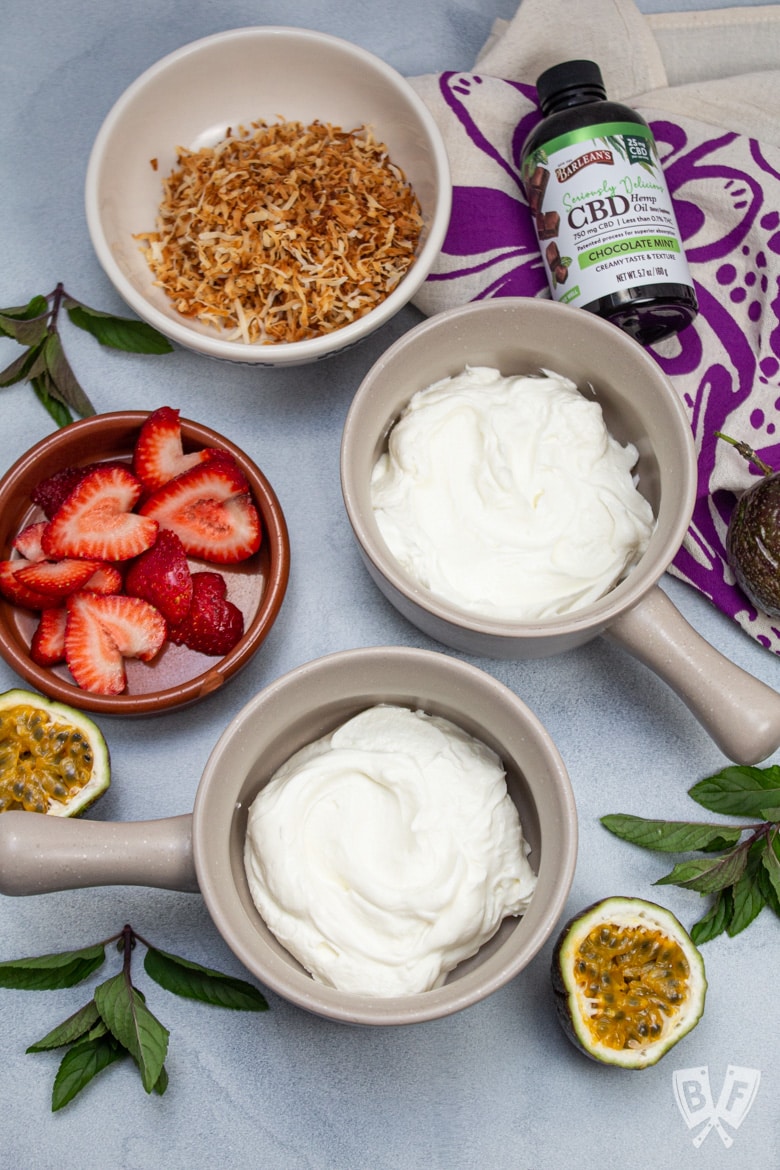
{"x":570,"y":83}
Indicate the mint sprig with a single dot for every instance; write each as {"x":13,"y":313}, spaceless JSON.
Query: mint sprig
{"x":35,"y":326}
{"x":740,"y":863}
{"x":116,"y":1022}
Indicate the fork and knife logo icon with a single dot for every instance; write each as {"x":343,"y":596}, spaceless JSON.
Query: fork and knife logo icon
{"x":695,"y":1101}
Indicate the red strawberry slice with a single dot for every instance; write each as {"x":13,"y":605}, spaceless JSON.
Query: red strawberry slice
{"x":16,"y":591}
{"x":47,"y":647}
{"x":210,"y":509}
{"x":159,"y":453}
{"x":51,"y":493}
{"x":161,"y":575}
{"x":213,"y":624}
{"x":57,"y":578}
{"x":106,"y":579}
{"x":28,"y":542}
{"x":103,"y":630}
{"x":96,"y":520}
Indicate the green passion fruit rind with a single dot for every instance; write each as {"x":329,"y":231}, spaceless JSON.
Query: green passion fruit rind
{"x":53,"y":758}
{"x":628,"y":981}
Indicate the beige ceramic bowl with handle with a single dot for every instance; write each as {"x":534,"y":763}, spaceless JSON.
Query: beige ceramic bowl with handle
{"x":191,"y":98}
{"x":205,"y":850}
{"x":640,"y":406}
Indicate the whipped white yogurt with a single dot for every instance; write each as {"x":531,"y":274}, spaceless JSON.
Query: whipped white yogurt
{"x":508,"y":497}
{"x":386,"y":852}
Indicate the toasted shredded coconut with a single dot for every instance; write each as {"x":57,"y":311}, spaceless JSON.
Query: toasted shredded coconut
{"x":283,"y":232}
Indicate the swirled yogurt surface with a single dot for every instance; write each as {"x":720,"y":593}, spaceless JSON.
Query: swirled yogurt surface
{"x":386,"y":852}
{"x":508,"y":497}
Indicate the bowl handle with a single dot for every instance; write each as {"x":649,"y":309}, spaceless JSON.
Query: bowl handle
{"x":39,"y":854}
{"x":741,"y":713}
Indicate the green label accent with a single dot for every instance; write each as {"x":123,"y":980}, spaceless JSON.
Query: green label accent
{"x":630,"y":247}
{"x":571,"y":295}
{"x":603,"y":130}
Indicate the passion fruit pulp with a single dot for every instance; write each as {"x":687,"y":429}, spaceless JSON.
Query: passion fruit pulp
{"x":628,"y":980}
{"x":53,"y":758}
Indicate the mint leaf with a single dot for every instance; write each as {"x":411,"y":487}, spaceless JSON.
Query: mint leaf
{"x":191,"y":980}
{"x":705,"y":874}
{"x":76,"y":1026}
{"x":771,"y":866}
{"x":134,"y":1026}
{"x":117,"y":332}
{"x":50,"y":972}
{"x":670,"y":836}
{"x":80,"y":1065}
{"x":66,"y":382}
{"x":45,"y":391}
{"x":715,"y":921}
{"x":739,"y":791}
{"x":26,"y":365}
{"x":27,"y":324}
{"x":748,"y":900}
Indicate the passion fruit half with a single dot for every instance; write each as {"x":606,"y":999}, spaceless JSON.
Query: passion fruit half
{"x":53,"y":758}
{"x":628,"y":980}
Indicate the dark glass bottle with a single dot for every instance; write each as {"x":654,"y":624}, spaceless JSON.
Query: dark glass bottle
{"x":602,"y":210}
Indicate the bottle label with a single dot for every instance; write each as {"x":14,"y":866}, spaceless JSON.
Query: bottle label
{"x":603,"y":213}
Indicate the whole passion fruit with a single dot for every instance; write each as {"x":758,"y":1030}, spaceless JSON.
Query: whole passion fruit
{"x":628,"y":981}
{"x":53,"y":758}
{"x":753,"y":536}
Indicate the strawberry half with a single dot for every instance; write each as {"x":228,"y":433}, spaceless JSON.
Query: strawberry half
{"x":213,"y":624}
{"x":106,"y":579}
{"x":51,"y":493}
{"x":16,"y":591}
{"x":210,"y":508}
{"x":47,"y":647}
{"x":162,"y":575}
{"x":28,"y":542}
{"x":102,"y":630}
{"x":57,"y":578}
{"x":96,"y":520}
{"x":159,"y":453}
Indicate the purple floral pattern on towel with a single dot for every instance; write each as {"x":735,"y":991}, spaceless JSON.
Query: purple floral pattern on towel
{"x":726,"y":366}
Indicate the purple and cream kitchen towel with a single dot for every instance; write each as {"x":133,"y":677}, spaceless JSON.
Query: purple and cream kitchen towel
{"x":708,"y":83}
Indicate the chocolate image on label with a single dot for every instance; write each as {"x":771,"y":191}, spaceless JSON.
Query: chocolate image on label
{"x":548,"y":225}
{"x":536,"y":188}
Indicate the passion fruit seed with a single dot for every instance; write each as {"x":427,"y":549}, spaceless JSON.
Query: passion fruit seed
{"x":629,"y":981}
{"x":634,"y":978}
{"x":52,"y":758}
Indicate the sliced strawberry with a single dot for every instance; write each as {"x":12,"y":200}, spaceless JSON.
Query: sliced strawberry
{"x":213,"y":624}
{"x":159,"y":453}
{"x":51,"y":493}
{"x":28,"y":542}
{"x":210,"y":508}
{"x":57,"y":578}
{"x":106,"y":579}
{"x":161,"y":575}
{"x":96,"y":521}
{"x":47,"y":647}
{"x":16,"y":591}
{"x":102,"y":631}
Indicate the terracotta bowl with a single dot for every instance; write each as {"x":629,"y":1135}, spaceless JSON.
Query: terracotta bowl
{"x":204,"y":851}
{"x":178,"y":675}
{"x":191,"y":97}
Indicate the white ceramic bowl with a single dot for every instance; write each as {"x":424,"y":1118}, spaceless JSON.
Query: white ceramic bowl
{"x":205,"y":851}
{"x":641,"y":406}
{"x":189,"y":99}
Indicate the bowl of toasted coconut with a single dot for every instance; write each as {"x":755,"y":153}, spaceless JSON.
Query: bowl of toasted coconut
{"x":268,"y":195}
